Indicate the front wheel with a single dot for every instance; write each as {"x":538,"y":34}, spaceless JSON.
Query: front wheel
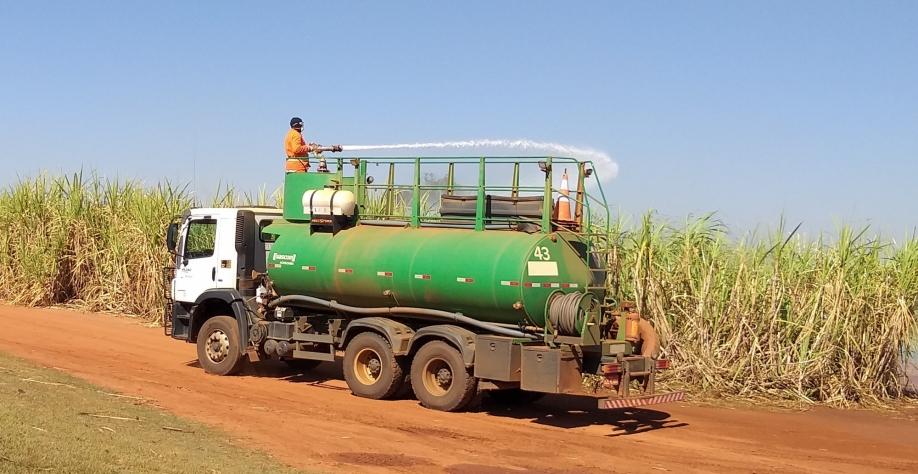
{"x":440,"y":379}
{"x":219,"y":352}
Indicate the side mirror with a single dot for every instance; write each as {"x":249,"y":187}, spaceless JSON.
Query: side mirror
{"x":370,"y":180}
{"x":172,"y":237}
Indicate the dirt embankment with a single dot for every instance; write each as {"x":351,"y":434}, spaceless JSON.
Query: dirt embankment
{"x":312,"y":421}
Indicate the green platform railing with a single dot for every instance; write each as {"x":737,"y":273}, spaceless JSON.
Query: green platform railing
{"x":406,"y":202}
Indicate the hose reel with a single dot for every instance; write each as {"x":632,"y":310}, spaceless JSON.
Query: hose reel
{"x":568,"y":312}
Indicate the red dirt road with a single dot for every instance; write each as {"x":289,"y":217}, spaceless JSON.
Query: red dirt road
{"x":312,"y":421}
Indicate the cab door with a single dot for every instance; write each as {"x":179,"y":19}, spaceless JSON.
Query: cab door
{"x":197,"y":261}
{"x":225,"y":272}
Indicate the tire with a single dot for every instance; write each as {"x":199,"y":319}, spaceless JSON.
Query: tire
{"x":440,"y":379}
{"x":370,"y":368}
{"x":302,"y":365}
{"x":514,"y":396}
{"x":218,"y":346}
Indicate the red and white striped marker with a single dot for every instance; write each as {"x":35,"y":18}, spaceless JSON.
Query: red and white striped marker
{"x":552,"y":284}
{"x":612,"y":403}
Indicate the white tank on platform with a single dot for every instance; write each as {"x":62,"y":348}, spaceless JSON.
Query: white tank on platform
{"x":329,"y":202}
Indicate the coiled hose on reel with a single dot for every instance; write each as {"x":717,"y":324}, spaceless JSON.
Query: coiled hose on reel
{"x":565,"y":312}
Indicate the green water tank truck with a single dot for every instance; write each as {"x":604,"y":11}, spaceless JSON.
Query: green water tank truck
{"x":446,"y":289}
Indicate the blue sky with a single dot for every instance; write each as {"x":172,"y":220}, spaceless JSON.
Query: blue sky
{"x":752,"y":109}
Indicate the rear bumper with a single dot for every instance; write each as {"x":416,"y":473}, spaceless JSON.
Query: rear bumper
{"x":629,"y":402}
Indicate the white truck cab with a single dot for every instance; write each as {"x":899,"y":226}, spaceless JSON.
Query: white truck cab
{"x":216,"y":251}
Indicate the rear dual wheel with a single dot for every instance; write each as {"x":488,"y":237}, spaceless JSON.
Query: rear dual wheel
{"x":440,"y":378}
{"x":371,"y":370}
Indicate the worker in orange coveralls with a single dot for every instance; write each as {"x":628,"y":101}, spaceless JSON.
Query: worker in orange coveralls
{"x":298,"y":150}
{"x":296,"y":147}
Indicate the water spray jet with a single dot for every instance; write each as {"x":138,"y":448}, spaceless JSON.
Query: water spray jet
{"x":607,"y":166}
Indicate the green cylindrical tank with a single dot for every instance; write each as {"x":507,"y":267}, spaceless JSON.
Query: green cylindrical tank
{"x":490,"y":275}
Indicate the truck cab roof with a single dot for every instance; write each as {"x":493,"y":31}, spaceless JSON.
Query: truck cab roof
{"x":231,"y":211}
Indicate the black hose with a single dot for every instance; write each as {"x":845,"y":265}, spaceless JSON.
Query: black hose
{"x":564,"y":311}
{"x":403,"y":311}
{"x":456,"y":225}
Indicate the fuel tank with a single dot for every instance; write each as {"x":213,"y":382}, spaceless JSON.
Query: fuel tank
{"x":500,"y":276}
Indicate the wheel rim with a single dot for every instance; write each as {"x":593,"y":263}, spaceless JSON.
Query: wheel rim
{"x":217,"y":346}
{"x":367,"y":366}
{"x":437,"y":377}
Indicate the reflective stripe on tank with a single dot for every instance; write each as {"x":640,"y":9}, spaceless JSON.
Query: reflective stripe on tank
{"x":464,"y":280}
{"x":274,"y":265}
{"x":384,"y":274}
{"x":345,"y":270}
{"x":420,"y":276}
{"x":308,"y":268}
{"x":530,"y":284}
{"x":509,"y":283}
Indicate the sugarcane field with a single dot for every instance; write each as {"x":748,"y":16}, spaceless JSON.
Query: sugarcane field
{"x":459,"y":238}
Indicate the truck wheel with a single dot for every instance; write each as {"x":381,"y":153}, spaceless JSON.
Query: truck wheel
{"x":440,"y":379}
{"x":370,"y":368}
{"x":218,"y":346}
{"x":514,"y":396}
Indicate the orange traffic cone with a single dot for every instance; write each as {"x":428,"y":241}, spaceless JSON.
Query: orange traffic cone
{"x":564,"y":200}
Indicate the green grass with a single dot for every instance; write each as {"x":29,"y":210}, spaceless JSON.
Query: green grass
{"x":51,"y":422}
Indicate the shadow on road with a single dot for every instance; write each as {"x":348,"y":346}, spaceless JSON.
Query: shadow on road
{"x":566,"y":411}
{"x":561,"y":411}
{"x":276,"y":369}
